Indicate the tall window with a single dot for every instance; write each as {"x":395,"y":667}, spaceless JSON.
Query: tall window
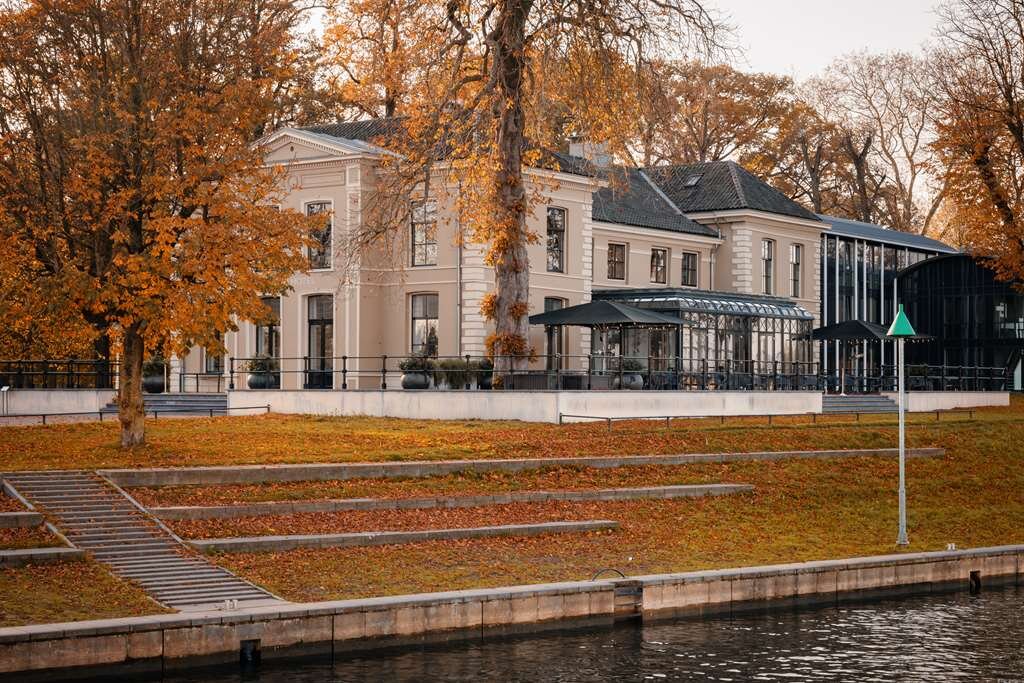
{"x":556,"y":240}
{"x":689,"y":269}
{"x":424,"y":323}
{"x":659,"y":265}
{"x":424,"y":233}
{"x":320,"y":361}
{"x":320,"y":252}
{"x":616,"y":261}
{"x":553,"y":334}
{"x":796,"y":253}
{"x":214,"y":364}
{"x":268,"y":331}
{"x":768,"y":266}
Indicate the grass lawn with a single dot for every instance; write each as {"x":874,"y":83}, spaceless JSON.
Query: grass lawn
{"x":33,"y":537}
{"x":287,"y":438}
{"x":800,"y":510}
{"x":70,"y":591}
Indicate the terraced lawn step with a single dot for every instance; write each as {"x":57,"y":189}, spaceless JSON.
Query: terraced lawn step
{"x":293,"y":507}
{"x":372,"y":538}
{"x":257,"y":474}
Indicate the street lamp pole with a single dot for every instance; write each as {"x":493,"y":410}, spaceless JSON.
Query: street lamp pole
{"x":900,"y":330}
{"x":901,"y":538}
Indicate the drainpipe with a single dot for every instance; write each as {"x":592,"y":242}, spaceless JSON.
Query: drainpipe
{"x":458,"y":300}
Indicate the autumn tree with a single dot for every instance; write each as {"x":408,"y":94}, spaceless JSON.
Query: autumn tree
{"x":801,"y":158}
{"x":129,"y":173}
{"x":475,"y":115}
{"x":884,"y":104}
{"x":979,"y":71}
{"x":700,"y":112}
{"x":375,"y":50}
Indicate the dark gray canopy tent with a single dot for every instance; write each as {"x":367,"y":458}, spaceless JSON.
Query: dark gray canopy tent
{"x":852,"y":330}
{"x":848,"y":330}
{"x":603,"y":313}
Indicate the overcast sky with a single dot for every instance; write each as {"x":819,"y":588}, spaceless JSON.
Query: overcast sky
{"x":800,"y":37}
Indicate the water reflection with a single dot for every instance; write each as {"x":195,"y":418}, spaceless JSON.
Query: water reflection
{"x":925,"y":638}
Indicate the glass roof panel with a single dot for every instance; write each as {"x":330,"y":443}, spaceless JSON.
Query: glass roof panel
{"x":699,"y":301}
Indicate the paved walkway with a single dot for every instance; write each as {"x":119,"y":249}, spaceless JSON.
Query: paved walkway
{"x":98,"y":518}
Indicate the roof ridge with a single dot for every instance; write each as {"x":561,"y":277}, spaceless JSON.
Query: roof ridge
{"x":732,"y":166}
{"x":654,"y":186}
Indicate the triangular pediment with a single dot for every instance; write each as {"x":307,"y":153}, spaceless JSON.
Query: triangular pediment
{"x":287,"y":145}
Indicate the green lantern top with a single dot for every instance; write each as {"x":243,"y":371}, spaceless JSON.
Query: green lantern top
{"x":901,"y":326}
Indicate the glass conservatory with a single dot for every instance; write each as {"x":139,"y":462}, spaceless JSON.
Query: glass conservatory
{"x":720,"y":332}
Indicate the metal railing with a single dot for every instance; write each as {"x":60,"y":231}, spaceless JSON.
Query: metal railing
{"x":51,"y":373}
{"x":588,"y":372}
{"x":567,"y":372}
{"x":201,"y":382}
{"x":920,"y":378}
{"x":155,"y":413}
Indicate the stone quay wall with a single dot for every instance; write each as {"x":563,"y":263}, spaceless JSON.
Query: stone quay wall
{"x":177,"y":640}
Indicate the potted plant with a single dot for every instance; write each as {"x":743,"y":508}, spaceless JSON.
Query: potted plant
{"x":483,"y":371}
{"x":415,"y":371}
{"x":153,"y":376}
{"x":630,"y":377}
{"x":454,"y":372}
{"x":263,"y":373}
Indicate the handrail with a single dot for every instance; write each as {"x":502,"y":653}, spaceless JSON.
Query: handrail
{"x":607,"y":419}
{"x":155,"y":412}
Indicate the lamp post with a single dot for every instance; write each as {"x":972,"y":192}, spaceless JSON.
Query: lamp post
{"x":900,"y":330}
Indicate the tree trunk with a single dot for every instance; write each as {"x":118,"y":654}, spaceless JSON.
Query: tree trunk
{"x":101,"y":349}
{"x":129,"y":394}
{"x":511,"y":266}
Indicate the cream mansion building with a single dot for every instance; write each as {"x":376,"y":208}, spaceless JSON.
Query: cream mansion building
{"x":708,"y":242}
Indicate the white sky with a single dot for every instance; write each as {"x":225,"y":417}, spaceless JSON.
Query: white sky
{"x":800,"y":38}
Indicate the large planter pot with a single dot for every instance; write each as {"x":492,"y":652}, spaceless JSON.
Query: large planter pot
{"x":415,"y":380}
{"x":263,"y":380}
{"x":630,"y":380}
{"x":153,"y":384}
{"x":485,"y":382}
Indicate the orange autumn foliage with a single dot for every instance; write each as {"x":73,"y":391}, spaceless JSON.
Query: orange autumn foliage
{"x":130,"y":174}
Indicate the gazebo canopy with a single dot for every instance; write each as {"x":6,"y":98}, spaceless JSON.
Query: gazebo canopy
{"x":854,"y":330}
{"x":599,"y":313}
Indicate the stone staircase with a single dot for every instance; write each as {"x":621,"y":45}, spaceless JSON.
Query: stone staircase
{"x":857,"y":403}
{"x":100,"y":519}
{"x":179,"y":404}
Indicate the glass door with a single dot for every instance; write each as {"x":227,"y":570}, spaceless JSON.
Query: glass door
{"x":319,"y":360}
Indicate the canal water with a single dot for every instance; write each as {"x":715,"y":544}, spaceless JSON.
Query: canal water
{"x":937,"y":637}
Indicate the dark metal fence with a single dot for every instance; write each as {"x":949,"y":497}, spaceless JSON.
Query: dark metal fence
{"x":58,"y":374}
{"x":591,"y":372}
{"x":567,"y":372}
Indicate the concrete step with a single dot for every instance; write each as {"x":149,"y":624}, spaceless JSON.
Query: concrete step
{"x":214,"y":598}
{"x":147,"y":578}
{"x":107,"y":525}
{"x":102,"y":545}
{"x":197,"y":584}
{"x":208,"y":595}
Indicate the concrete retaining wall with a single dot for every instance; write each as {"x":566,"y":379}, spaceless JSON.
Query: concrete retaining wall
{"x":290,"y":507}
{"x":20,"y":520}
{"x":167,"y":639}
{"x":529,"y":406}
{"x":273,"y":544}
{"x":260,"y":474}
{"x":927,"y":401}
{"x":49,"y":401}
{"x":21,"y":557}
